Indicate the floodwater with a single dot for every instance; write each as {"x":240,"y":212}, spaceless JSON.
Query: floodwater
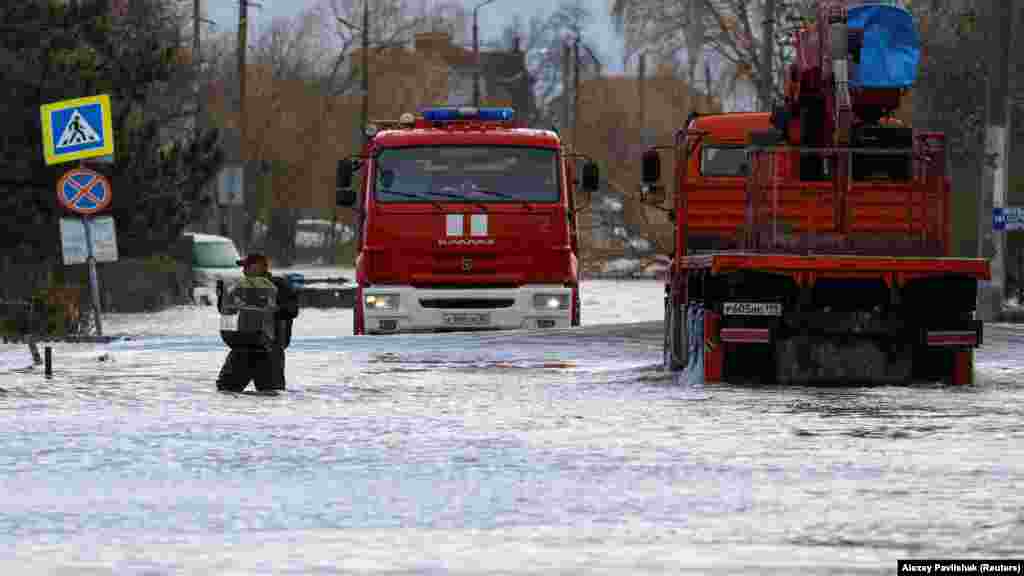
{"x":493,"y":454}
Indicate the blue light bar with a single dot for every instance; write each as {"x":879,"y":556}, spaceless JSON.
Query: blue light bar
{"x":450,"y":114}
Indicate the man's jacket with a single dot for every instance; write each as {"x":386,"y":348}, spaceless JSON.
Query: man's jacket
{"x":287,"y":309}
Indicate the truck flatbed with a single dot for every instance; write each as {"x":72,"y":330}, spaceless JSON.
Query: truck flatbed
{"x":898,"y":268}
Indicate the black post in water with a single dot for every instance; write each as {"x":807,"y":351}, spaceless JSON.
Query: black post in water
{"x":49,"y":361}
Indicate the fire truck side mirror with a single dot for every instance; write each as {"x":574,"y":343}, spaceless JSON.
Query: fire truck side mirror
{"x":650,"y":167}
{"x":346,"y":196}
{"x":344,"y":174}
{"x":591,"y":177}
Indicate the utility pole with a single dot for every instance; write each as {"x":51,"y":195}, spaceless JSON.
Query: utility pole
{"x":1012,"y":85}
{"x":566,"y":71}
{"x":476,"y":54}
{"x":196,"y":59}
{"x":767,"y":86}
{"x":641,"y":72}
{"x":996,"y":146}
{"x":366,"y":68}
{"x":243,"y":44}
{"x":575,"y":91}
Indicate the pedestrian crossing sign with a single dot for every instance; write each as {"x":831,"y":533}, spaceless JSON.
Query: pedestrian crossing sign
{"x":77,"y":129}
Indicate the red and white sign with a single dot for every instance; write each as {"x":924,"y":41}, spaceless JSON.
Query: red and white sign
{"x":84,"y":191}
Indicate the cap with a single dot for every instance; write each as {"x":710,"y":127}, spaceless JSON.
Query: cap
{"x":252,"y":258}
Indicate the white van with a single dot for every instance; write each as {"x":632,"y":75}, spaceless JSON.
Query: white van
{"x":213,"y":257}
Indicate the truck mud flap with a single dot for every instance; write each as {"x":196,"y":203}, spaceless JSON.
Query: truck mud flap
{"x":695,"y":343}
{"x":967,"y":338}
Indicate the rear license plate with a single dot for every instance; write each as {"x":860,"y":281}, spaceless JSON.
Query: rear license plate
{"x":467,"y":319}
{"x":753,"y":309}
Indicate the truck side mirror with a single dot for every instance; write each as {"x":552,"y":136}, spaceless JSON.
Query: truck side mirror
{"x":591,"y":177}
{"x":346,"y":196}
{"x":344,"y":174}
{"x":650,"y":167}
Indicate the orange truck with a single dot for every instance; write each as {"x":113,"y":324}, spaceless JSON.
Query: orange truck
{"x":813,"y":242}
{"x":466,"y":221}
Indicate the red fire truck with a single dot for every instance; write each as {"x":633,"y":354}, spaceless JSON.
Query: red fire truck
{"x":813,"y":243}
{"x":466,"y":221}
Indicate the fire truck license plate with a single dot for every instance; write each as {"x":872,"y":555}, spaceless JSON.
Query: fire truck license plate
{"x":467,"y":319}
{"x":753,"y":309}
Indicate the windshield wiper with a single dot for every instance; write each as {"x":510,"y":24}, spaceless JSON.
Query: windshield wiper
{"x":480,"y":205}
{"x":412,"y":195}
{"x":503,"y":195}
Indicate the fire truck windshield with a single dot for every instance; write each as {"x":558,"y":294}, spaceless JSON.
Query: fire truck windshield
{"x":498,"y":174}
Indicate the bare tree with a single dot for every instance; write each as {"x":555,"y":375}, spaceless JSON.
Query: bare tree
{"x":543,"y":38}
{"x":728,"y":33}
{"x":392,"y":25}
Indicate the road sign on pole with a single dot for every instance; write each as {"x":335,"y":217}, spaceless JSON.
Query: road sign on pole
{"x":229,"y":185}
{"x":74,"y":245}
{"x":77,"y":129}
{"x":1009,"y":218}
{"x":84,"y":191}
{"x":88,"y":240}
{"x":104,"y":238}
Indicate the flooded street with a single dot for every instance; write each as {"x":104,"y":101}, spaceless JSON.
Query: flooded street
{"x":515,"y":453}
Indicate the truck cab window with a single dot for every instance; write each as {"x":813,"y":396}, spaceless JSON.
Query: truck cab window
{"x":723,"y":161}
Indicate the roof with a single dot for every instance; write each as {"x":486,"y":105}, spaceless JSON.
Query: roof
{"x":733,"y":126}
{"x":434,"y":136}
{"x":200,"y":237}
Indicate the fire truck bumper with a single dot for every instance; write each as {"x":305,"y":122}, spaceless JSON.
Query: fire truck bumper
{"x":403,"y":309}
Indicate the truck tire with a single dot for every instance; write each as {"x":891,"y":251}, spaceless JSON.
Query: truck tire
{"x":676,"y":346}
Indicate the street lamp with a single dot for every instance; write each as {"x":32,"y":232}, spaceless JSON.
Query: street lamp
{"x":476,"y":54}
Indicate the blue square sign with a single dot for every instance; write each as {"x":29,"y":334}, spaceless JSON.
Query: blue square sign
{"x":77,"y":129}
{"x":998,"y":219}
{"x":1008,"y":218}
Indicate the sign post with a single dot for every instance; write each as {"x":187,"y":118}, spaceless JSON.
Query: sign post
{"x":78,"y":129}
{"x":94,"y":283}
{"x":87,"y":192}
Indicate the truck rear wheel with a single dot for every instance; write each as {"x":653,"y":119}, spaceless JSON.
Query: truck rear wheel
{"x":675,"y":336}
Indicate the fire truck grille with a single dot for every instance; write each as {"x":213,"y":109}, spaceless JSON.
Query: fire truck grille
{"x":464,"y":303}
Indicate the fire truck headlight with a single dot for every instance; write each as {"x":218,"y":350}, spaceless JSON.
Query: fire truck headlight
{"x":382,"y":301}
{"x":551,"y":301}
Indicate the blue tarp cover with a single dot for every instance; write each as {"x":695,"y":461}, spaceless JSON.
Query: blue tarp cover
{"x":891,"y":50}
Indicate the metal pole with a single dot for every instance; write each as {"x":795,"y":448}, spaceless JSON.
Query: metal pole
{"x":1013,"y":17}
{"x":196,"y":61}
{"x":94,"y":284}
{"x":366,"y":68}
{"x":476,"y":61}
{"x":1001,"y":17}
{"x":566,"y":55}
{"x":243,"y":46}
{"x":476,"y":54}
{"x":575,"y":91}
{"x":766,"y":55}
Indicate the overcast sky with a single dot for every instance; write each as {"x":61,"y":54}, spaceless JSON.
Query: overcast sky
{"x":492,"y":19}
